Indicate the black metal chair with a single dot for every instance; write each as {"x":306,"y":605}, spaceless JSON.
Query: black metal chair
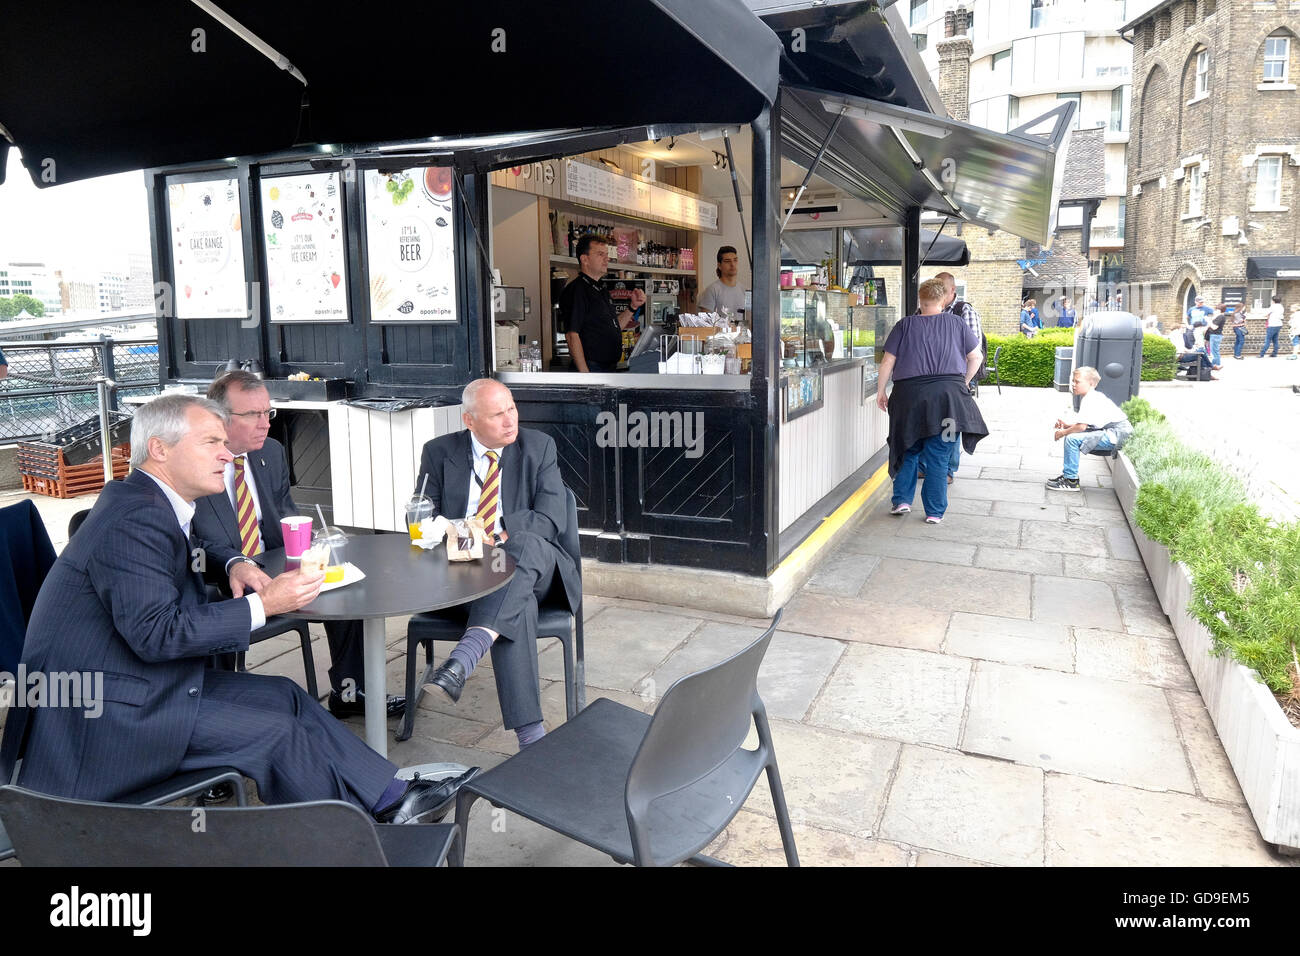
{"x":56,"y":831}
{"x":653,"y":791}
{"x":553,"y":620}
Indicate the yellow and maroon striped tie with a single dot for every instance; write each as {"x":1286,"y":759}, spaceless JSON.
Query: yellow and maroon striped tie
{"x":250,"y":538}
{"x":487,"y":499}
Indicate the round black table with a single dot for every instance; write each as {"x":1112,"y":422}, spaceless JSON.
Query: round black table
{"x":401,"y":580}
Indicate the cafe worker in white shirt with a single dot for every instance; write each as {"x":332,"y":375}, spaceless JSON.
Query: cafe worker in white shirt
{"x":508,"y":477}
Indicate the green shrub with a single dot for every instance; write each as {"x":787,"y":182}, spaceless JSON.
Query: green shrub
{"x":1032,"y":362}
{"x":1158,"y":359}
{"x":1245,"y":569}
{"x":1139,"y":410}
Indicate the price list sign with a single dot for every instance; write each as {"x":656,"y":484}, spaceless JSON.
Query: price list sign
{"x":207,"y":251}
{"x":302,"y":222}
{"x":411,"y":245}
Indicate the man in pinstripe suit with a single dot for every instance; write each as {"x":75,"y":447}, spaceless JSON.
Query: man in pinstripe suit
{"x":123,"y":599}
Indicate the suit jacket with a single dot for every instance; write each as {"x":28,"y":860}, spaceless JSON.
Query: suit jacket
{"x":122,"y":601}
{"x":533,"y":496}
{"x":214,"y":527}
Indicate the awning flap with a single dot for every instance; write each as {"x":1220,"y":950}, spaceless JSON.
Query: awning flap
{"x":1273,"y":267}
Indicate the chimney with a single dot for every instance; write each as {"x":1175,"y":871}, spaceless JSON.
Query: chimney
{"x":954,"y":64}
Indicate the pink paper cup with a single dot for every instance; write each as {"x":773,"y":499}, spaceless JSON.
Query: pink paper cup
{"x":296,"y":531}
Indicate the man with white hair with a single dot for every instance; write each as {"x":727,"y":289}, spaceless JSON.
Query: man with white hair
{"x":508,"y":477}
{"x":125,"y":600}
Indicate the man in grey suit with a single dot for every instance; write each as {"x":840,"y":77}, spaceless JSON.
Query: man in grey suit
{"x":508,"y":476}
{"x":232,"y":547}
{"x":124,"y":601}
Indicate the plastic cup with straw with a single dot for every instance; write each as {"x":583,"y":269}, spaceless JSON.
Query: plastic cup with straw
{"x":418,"y":507}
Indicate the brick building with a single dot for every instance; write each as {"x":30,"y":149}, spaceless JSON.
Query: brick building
{"x":1214,"y":188}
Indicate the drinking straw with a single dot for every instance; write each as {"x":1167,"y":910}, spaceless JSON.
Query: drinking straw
{"x":325,"y":531}
{"x":423,"y":481}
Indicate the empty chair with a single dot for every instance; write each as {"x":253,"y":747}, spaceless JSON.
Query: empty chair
{"x":56,"y":831}
{"x":653,"y":791}
{"x":553,"y":620}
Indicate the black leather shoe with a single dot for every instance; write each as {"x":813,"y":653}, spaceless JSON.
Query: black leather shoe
{"x":450,"y":676}
{"x":341,"y":708}
{"x":426,"y":801}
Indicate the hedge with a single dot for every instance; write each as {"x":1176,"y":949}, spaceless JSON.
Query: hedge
{"x":1032,"y":362}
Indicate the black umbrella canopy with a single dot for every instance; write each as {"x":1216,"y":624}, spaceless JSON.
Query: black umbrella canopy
{"x":134,"y":89}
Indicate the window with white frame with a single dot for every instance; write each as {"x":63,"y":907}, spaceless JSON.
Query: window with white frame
{"x":1013,"y":112}
{"x":1268,"y":182}
{"x":1002,"y":68}
{"x":1202,"y":73}
{"x":1261,"y":294}
{"x":920,"y":40}
{"x":920,"y":11}
{"x":1195,"y":179}
{"x":1277,"y":51}
{"x":1119,"y":107}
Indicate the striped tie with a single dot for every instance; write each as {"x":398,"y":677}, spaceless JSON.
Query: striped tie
{"x":487,"y":499}
{"x":250,"y":539}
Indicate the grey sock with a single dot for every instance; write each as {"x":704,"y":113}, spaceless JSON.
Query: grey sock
{"x":470,"y":649}
{"x":530,"y":734}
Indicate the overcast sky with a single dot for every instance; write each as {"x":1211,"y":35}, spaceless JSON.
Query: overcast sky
{"x":85,"y":226}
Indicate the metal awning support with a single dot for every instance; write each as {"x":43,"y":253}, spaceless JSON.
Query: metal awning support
{"x":740,"y":206}
{"x":830,"y":134}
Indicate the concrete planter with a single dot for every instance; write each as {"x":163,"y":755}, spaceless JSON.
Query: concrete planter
{"x":1261,"y":744}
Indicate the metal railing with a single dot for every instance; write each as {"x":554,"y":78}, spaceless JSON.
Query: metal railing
{"x":52,"y":385}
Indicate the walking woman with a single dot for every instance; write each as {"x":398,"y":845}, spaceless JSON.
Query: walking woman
{"x":931,"y":357}
{"x":1238,"y":327}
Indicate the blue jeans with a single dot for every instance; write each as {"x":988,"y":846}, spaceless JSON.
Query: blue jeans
{"x":1214,"y":341}
{"x":1270,"y":339}
{"x":932,"y":454}
{"x":1072,"y":443}
{"x":954,"y":459}
{"x":1240,"y":334}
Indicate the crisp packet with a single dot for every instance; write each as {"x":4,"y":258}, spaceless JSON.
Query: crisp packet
{"x":465,"y":539}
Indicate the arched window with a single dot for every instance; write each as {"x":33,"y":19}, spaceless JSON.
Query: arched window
{"x":1275,"y":59}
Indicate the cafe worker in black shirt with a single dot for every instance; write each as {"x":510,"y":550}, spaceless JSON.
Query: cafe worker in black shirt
{"x":593,"y":331}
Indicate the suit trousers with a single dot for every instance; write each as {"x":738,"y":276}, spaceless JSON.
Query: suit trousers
{"x":270,"y":729}
{"x":511,"y":611}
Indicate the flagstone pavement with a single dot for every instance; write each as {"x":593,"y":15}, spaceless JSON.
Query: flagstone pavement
{"x":1000,"y":689}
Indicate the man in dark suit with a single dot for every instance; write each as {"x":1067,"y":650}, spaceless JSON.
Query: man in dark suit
{"x":232,"y":545}
{"x":507,"y":476}
{"x":123,"y":603}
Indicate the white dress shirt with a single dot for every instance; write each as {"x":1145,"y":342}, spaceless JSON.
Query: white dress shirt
{"x":480,"y":472}
{"x":184,"y":515}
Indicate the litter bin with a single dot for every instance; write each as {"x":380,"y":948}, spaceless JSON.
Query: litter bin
{"x":1064,"y":367}
{"x":1111,"y":342}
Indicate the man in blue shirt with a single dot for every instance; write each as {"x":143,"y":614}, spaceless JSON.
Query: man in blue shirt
{"x":1200,"y":313}
{"x":1029,"y":321}
{"x":1067,"y":316}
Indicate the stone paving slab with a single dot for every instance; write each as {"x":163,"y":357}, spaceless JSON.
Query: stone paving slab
{"x":1121,"y":544}
{"x":1102,"y":824}
{"x":991,"y":459}
{"x":1214,"y":776}
{"x":967,"y":506}
{"x":966,"y":529}
{"x":1140,"y":608}
{"x":895,"y":693}
{"x":867,"y":622}
{"x":793,"y":671}
{"x":1081,"y":603}
{"x":970,"y":807}
{"x":843,"y":572}
{"x":1137,"y":658}
{"x":752,"y":839}
{"x":1021,"y":491}
{"x":1102,"y":498}
{"x":1031,"y":475}
{"x":916,"y":547}
{"x":848,"y":799}
{"x":1035,"y":511}
{"x":1015,"y":559}
{"x":1011,"y":641}
{"x":1108,"y":730}
{"x":1059,"y":537}
{"x":930,"y":858}
{"x":1110,"y":570}
{"x":615,"y":662}
{"x":1101,"y":517}
{"x":948,"y":587}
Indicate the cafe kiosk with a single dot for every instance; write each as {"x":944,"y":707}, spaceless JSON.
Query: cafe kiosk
{"x":372,"y":269}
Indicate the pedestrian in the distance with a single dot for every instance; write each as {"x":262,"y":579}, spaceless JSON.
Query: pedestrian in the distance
{"x":1067,"y":317}
{"x":1295,"y":331}
{"x":1274,"y":328}
{"x":1214,"y":337}
{"x":1238,"y":328}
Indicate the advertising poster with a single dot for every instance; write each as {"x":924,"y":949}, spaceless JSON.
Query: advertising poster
{"x":207,"y":250}
{"x":410,"y":245}
{"x":302,"y":223}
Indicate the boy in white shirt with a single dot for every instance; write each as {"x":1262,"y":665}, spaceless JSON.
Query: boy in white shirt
{"x":1099,"y":425}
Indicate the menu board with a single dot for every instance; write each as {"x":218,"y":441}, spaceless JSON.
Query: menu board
{"x":207,"y":251}
{"x":411,"y":245}
{"x":302,"y":223}
{"x":594,"y":184}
